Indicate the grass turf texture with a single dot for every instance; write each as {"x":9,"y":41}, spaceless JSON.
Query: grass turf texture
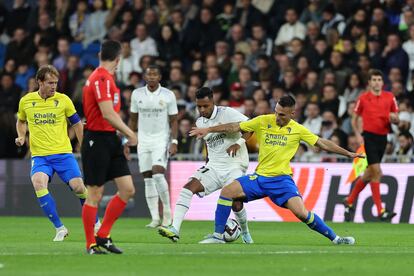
{"x":26,"y":248}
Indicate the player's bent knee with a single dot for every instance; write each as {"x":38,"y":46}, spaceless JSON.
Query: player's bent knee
{"x":237,"y":206}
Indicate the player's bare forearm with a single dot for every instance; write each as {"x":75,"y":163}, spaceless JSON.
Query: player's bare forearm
{"x":21,"y":128}
{"x":226,"y":128}
{"x":330,"y":146}
{"x":173,"y":126}
{"x":133,"y":121}
{"x":356,"y":125}
{"x":78,"y":128}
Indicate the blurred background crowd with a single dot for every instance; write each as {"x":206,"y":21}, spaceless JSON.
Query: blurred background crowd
{"x":250,"y":52}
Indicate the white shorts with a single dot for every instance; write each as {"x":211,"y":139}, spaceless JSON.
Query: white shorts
{"x":213,"y":180}
{"x":149,"y":157}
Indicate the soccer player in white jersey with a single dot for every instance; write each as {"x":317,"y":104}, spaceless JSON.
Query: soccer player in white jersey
{"x":227,"y":160}
{"x":154,"y":115}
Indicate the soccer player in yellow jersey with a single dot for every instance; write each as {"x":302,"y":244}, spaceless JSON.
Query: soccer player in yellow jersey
{"x":279,"y":137}
{"x":45,"y":113}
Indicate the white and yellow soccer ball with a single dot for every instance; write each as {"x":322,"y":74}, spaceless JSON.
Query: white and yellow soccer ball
{"x":232,"y":230}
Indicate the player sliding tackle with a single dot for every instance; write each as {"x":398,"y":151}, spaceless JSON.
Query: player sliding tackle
{"x":279,"y":138}
{"x":227,"y":160}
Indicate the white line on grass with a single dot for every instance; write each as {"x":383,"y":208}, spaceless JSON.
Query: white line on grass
{"x":291,"y":252}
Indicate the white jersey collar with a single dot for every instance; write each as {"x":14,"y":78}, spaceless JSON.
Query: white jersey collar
{"x":156,"y":92}
{"x":213,"y":114}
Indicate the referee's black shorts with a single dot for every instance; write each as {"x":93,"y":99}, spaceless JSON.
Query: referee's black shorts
{"x":374,"y":147}
{"x":102,"y":157}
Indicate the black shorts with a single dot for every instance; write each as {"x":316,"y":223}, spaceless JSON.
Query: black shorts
{"x":374,"y":147}
{"x":102,"y":157}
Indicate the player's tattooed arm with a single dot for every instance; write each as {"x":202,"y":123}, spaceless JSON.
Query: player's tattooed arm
{"x":226,"y":128}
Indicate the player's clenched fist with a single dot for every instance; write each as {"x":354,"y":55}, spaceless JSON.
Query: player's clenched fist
{"x":19,"y":141}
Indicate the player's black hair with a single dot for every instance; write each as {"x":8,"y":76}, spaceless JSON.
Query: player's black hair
{"x":110,"y":50}
{"x":287,"y":101}
{"x":153,"y":67}
{"x":204,"y":92}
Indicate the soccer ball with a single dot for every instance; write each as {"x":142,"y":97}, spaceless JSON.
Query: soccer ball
{"x":232,"y":230}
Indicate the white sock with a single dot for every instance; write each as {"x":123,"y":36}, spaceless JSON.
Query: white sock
{"x":162,"y":188}
{"x":151,"y":195}
{"x":241,"y":217}
{"x":181,"y":208}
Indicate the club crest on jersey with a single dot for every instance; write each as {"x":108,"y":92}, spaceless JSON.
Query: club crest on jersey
{"x":162,"y":103}
{"x":269,"y":126}
{"x":33,"y":104}
{"x":56,"y":103}
{"x":289,"y":129}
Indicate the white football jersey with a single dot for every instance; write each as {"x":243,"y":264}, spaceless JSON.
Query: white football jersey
{"x":153,"y":109}
{"x":218,"y":143}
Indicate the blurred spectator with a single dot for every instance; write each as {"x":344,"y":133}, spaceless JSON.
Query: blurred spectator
{"x":17,"y":17}
{"x":291,"y":29}
{"x":312,"y":12}
{"x":258,"y":32}
{"x":404,"y":150}
{"x":78,"y":21}
{"x":329,"y":101}
{"x":61,"y":59}
{"x":70,"y":76}
{"x":262,"y":108}
{"x":332,"y":19}
{"x":246,"y":81}
{"x":163,"y":10}
{"x":395,"y":56}
{"x":237,"y":61}
{"x":127,"y":64}
{"x":226,"y":18}
{"x":151,"y":22}
{"x":20,"y":48}
{"x":237,"y":40}
{"x":9,"y":93}
{"x":95,"y":29}
{"x":143,"y":44}
{"x":236,"y":97}
{"x":186,"y":143}
{"x":347,"y":118}
{"x":168,"y":45}
{"x":313,"y":118}
{"x":247,"y":15}
{"x":249,"y":108}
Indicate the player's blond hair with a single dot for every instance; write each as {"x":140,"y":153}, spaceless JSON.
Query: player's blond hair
{"x":44,"y":70}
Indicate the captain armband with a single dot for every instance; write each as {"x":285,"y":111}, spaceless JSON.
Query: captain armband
{"x":74,"y":119}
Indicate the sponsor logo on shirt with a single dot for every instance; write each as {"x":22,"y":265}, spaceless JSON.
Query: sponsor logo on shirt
{"x":216,"y":140}
{"x":44,"y":118}
{"x":276,"y":139}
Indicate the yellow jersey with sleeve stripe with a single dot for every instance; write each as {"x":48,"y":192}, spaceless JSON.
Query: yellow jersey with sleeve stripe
{"x":47,"y":122}
{"x":277,"y":145}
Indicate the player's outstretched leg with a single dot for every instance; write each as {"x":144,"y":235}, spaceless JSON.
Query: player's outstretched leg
{"x":162,"y":188}
{"x":314,"y":222}
{"x":241,"y":216}
{"x":181,"y":207}
{"x":47,"y":203}
{"x":222,"y":214}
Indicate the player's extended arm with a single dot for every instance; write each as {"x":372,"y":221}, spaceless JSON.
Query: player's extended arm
{"x":330,"y":146}
{"x":227,"y":128}
{"x":173,"y":120}
{"x":78,"y":128}
{"x":21,"y":129}
{"x":357,"y":127}
{"x":133,"y":121}
{"x":109,"y":114}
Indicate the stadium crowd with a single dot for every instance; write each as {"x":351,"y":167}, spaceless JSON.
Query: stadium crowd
{"x":250,"y":52}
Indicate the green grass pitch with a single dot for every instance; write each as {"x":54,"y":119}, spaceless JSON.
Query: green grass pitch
{"x":26,"y":248}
